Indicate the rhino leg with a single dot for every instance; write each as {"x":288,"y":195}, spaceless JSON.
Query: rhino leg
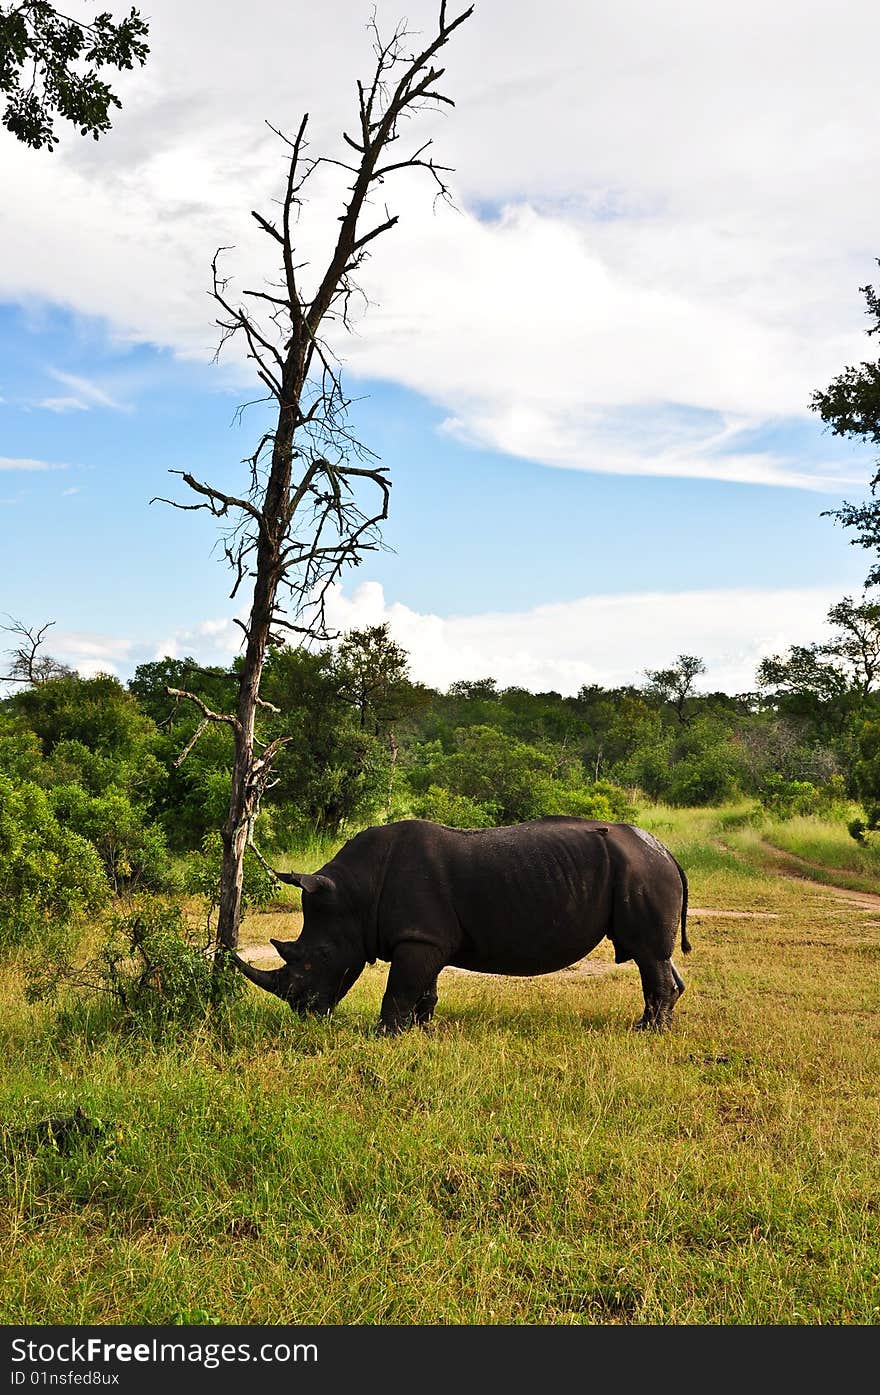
{"x":412,"y":986}
{"x":662,"y":987}
{"x":425,"y":1006}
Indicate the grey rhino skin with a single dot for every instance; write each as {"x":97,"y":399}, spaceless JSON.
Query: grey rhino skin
{"x":526,"y":899}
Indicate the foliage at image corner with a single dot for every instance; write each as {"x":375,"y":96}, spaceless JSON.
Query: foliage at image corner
{"x":50,"y":68}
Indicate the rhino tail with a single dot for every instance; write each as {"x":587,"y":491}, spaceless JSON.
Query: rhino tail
{"x":685,"y":942}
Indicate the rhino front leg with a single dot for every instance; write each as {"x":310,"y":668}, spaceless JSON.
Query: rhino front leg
{"x":411,"y":993}
{"x":662,"y":987}
{"x":426,"y":1005}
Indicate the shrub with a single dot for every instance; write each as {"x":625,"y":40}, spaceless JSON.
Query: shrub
{"x":133,"y":851}
{"x":786,"y":799}
{"x":454,"y":810}
{"x":600,"y":800}
{"x":50,"y":876}
{"x":152,"y":964}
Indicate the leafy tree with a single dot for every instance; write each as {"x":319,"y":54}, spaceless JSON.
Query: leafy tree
{"x":332,"y":771}
{"x":21,"y":751}
{"x":706,"y":766}
{"x":193,"y":795}
{"x":50,"y":67}
{"x":97,"y":712}
{"x":830,"y":688}
{"x":372,"y":674}
{"x":132,"y":850}
{"x":151,"y":682}
{"x":675,"y":685}
{"x":866,"y":777}
{"x":471,"y":690}
{"x":806,"y":684}
{"x":856,"y":644}
{"x":850,"y":407}
{"x":50,"y":876}
{"x":647,"y":765}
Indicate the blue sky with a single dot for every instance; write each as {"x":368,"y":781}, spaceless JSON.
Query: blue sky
{"x":613,"y":465}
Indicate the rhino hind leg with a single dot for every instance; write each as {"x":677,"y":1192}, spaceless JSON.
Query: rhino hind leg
{"x":662,"y":986}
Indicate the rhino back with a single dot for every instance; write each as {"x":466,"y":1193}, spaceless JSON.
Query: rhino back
{"x":523,"y":899}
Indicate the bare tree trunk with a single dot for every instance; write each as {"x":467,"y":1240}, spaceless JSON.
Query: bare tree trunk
{"x":301,"y":534}
{"x":392,"y":765}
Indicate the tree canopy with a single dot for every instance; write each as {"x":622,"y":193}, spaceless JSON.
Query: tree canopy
{"x":50,"y":67}
{"x":850,"y":407}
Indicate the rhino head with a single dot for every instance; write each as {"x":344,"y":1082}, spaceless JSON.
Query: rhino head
{"x":321,"y":966}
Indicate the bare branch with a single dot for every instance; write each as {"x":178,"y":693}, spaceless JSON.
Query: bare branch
{"x":203,"y":707}
{"x":202,"y":726}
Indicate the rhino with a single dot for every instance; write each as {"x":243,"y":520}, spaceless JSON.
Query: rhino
{"x":525,"y":899}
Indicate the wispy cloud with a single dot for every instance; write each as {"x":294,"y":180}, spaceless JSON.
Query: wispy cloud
{"x":84,"y":395}
{"x":62,"y":404}
{"x":9,"y":462}
{"x":74,"y":489}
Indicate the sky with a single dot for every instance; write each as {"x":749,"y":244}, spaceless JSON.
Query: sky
{"x":589,"y":378}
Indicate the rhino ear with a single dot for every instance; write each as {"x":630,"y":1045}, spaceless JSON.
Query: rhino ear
{"x":286,"y":948}
{"x":307,"y":881}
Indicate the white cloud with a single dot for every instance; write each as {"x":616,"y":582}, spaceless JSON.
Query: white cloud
{"x":681,"y":210}
{"x":87,"y":390}
{"x":210,"y":642}
{"x":62,"y":404}
{"x":608,"y":639}
{"x":18,"y":463}
{"x":90,"y":668}
{"x":90,"y":654}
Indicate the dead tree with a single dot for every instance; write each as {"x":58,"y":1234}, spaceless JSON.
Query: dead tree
{"x":26,"y":663}
{"x":315,"y":497}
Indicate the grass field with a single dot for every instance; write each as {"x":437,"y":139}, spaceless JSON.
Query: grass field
{"x":530,"y":1160}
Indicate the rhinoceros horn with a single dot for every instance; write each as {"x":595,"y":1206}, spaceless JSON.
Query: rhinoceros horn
{"x":270,"y":979}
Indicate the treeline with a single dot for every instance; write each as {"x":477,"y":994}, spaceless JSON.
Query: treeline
{"x":103,"y":785}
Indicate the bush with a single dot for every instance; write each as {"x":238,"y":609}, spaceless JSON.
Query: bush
{"x":454,"y":810}
{"x":708,"y":776}
{"x":133,"y":851}
{"x":600,"y":800}
{"x":787,"y":799}
{"x":152,"y":964}
{"x":50,"y":876}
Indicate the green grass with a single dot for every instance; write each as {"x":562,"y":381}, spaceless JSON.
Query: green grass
{"x":528,"y":1161}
